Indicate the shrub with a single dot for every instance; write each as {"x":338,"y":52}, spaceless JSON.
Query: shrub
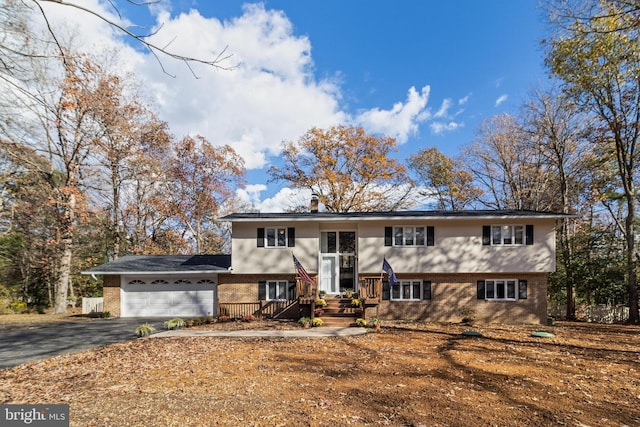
{"x":144,"y":330}
{"x":105,"y":314}
{"x":317,"y":322}
{"x":18,"y":306}
{"x":468,"y":315}
{"x":175,"y":323}
{"x":304,"y":321}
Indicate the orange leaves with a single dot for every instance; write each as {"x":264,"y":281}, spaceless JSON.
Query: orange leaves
{"x":348,"y":169}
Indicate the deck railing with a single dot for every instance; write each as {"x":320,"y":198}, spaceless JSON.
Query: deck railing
{"x":370,"y":287}
{"x":259,"y":310}
{"x":305,"y":290}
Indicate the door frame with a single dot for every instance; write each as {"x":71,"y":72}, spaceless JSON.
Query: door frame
{"x":336,"y":257}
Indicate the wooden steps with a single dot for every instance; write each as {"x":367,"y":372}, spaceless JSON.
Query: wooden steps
{"x":339,"y":313}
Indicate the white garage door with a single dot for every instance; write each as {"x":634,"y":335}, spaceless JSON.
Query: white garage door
{"x":155,"y":297}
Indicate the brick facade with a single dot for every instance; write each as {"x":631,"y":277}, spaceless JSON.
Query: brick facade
{"x":111,"y":295}
{"x":451,"y":294}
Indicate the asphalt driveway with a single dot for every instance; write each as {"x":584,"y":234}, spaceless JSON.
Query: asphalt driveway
{"x":26,"y":343}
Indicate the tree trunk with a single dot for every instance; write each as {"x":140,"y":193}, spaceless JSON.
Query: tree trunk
{"x":632,"y":267}
{"x":66,"y":244}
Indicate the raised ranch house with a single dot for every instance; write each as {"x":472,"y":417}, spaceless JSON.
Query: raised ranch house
{"x":449,"y":265}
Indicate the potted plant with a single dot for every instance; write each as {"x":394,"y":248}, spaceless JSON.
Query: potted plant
{"x":321,"y":302}
{"x":361,"y":322}
{"x":375,"y":323}
{"x":318,"y":312}
{"x":317,"y":322}
{"x":305,"y":322}
{"x":348,"y":293}
{"x":356,"y":302}
{"x":321,"y":294}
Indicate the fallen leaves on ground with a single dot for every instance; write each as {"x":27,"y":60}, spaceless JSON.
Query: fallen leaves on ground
{"x":408,"y":374}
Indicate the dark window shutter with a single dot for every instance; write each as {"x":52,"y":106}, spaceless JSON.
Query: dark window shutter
{"x":291,"y":237}
{"x":486,"y":235}
{"x":426,"y":290}
{"x":522,"y":289}
{"x":386,"y":292}
{"x":292,"y":290}
{"x":529,"y":234}
{"x":431,"y":235}
{"x":260,"y":239}
{"x":388,"y":236}
{"x":262,"y":290}
{"x":480,"y":290}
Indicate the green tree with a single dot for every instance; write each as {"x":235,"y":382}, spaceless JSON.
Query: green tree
{"x":599,"y":61}
{"x":348,"y":170}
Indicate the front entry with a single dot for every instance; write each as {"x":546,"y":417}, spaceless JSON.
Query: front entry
{"x":338,"y":261}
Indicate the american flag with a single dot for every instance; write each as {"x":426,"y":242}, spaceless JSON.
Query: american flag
{"x":302,"y":272}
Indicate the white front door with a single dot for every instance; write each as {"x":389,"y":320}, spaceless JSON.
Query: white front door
{"x":329,"y":274}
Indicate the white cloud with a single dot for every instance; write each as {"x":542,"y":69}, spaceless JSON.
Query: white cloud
{"x":441,"y":127}
{"x":272,"y":95}
{"x":402,"y":120}
{"x":501,"y":99}
{"x":444,"y":109}
{"x":285,"y":199}
{"x":464,"y":100}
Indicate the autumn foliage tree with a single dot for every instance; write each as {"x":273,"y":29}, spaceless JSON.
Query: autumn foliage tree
{"x":204,"y":176}
{"x":348,"y":170}
{"x":599,"y":61}
{"x":444,"y":179}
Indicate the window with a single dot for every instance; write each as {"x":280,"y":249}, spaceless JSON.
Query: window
{"x":276,"y":290}
{"x":502,"y":289}
{"x":276,"y":237}
{"x":507,"y":235}
{"x":159,"y":282}
{"x":411,"y":290}
{"x":136,"y":282}
{"x":409,"y":236}
{"x":182,"y":282}
{"x":206,"y":282}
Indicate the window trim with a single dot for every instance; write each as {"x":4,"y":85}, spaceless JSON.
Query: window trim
{"x":410,"y":283}
{"x":526,"y":234}
{"x":428,"y":236}
{"x":520,"y":288}
{"x":263,"y":237}
{"x":289,"y":289}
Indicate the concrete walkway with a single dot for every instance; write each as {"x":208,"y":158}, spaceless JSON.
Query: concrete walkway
{"x":294,"y":333}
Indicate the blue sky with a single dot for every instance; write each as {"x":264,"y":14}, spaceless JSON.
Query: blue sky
{"x":424,"y":72}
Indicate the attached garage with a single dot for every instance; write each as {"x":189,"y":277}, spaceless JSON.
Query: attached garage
{"x":159,"y":297}
{"x":162,"y":285}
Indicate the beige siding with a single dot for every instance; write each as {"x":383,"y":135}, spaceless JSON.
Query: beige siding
{"x":458,"y":249}
{"x":247,"y":258}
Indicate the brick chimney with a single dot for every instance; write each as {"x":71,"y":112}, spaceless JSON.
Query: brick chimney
{"x":314,"y":203}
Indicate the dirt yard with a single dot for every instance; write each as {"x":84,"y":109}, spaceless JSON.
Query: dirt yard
{"x":405,"y":375}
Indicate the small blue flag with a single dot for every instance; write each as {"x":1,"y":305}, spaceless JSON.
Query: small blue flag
{"x":386,"y":267}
